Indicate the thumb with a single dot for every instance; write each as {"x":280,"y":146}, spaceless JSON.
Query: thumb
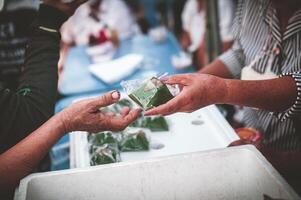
{"x":106,"y":99}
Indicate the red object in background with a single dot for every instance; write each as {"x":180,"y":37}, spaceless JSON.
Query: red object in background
{"x":249,"y":134}
{"x":102,"y":36}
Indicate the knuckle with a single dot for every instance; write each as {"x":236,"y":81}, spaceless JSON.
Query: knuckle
{"x":104,"y":99}
{"x":107,"y":123}
{"x":119,"y":127}
{"x":90,"y":104}
{"x":170,"y":108}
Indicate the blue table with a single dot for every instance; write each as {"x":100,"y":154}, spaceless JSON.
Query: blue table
{"x":77,"y":79}
{"x":77,"y":82}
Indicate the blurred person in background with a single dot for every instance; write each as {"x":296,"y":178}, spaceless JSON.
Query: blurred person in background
{"x":15,"y":18}
{"x":96,"y":22}
{"x":194,"y":27}
{"x":23,"y":111}
{"x":262,"y":72}
{"x":32,"y":103}
{"x":178,"y":7}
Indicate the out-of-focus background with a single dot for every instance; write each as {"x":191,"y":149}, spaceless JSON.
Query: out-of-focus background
{"x":109,"y":41}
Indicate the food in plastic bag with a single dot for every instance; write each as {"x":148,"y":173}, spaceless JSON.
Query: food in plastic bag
{"x":103,"y":148}
{"x":134,"y":140}
{"x":156,"y":123}
{"x":104,"y":155}
{"x":102,"y":138}
{"x":148,"y":94}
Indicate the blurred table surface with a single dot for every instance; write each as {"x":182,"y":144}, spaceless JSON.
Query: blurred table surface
{"x":76,"y":80}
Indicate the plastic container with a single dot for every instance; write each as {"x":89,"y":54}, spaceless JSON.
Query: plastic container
{"x":185,"y":135}
{"x":232,"y":173}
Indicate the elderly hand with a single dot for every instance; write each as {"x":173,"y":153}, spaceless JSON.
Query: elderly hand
{"x":68,"y":8}
{"x":198,"y":90}
{"x":86,"y":115}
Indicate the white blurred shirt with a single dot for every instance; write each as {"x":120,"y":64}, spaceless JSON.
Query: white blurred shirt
{"x":113,"y":13}
{"x":194,"y":21}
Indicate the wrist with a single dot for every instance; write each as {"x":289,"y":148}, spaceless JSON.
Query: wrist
{"x":227,"y":91}
{"x":220,"y":88}
{"x":63,"y":121}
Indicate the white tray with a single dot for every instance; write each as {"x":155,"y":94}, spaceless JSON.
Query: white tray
{"x":240,"y":173}
{"x":183,"y":137}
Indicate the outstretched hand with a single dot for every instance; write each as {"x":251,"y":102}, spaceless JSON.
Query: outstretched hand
{"x":86,"y":115}
{"x":68,"y":8}
{"x":198,"y":90}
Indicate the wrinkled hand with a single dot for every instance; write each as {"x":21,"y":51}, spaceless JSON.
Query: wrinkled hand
{"x":68,"y":8}
{"x":85,"y":115}
{"x":198,"y":90}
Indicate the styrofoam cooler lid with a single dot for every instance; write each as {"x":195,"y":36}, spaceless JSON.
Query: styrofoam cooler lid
{"x":231,"y":173}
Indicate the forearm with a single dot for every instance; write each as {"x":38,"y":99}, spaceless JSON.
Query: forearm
{"x":21,"y":159}
{"x":216,"y":68}
{"x":273,"y":95}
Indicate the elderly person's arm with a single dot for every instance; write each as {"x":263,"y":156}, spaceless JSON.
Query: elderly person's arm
{"x":85,"y":115}
{"x":26,"y":109}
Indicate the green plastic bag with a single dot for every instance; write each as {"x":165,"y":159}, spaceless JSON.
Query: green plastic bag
{"x":104,"y":155}
{"x":148,"y":94}
{"x":102,"y":138}
{"x":134,"y":141}
{"x":103,"y":148}
{"x":156,"y":123}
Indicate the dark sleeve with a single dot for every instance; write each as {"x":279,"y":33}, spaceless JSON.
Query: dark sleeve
{"x":25,"y":110}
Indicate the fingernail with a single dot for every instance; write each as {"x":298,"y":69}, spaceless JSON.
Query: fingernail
{"x":115,"y":94}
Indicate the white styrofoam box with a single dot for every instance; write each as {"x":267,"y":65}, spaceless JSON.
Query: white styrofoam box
{"x":183,"y":137}
{"x":230,"y":173}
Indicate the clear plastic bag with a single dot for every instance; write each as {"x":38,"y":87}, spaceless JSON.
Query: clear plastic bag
{"x":104,"y":155}
{"x":150,"y":92}
{"x":103,"y":148}
{"x":135,"y":140}
{"x":154,"y":123}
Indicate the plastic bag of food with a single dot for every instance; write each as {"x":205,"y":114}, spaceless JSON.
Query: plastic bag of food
{"x":149,"y":93}
{"x":104,"y":155}
{"x":103,"y":148}
{"x":102,"y":138}
{"x":155,"y":123}
{"x":134,"y":140}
